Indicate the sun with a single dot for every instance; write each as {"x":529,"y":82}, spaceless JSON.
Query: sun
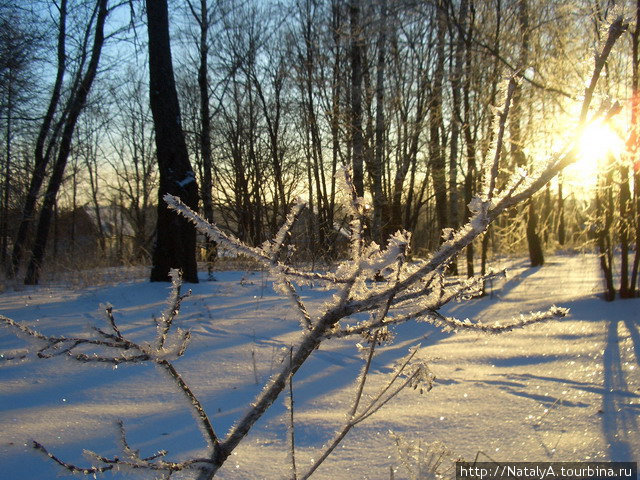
{"x":596,"y":143}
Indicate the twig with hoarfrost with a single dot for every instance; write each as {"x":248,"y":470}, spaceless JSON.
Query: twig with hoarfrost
{"x":115,"y":348}
{"x":429,"y":461}
{"x":291,"y":426}
{"x":416,"y":375}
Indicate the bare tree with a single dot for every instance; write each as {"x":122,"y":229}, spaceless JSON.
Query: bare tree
{"x":380,"y":226}
{"x":134,"y":162}
{"x":203,"y":17}
{"x":411,"y":108}
{"x":634,"y":142}
{"x":175,"y":244}
{"x":536,"y":255}
{"x":19,"y":44}
{"x":75,"y":106}
{"x":436,"y":150}
{"x":356,"y":134}
{"x":42,"y":155}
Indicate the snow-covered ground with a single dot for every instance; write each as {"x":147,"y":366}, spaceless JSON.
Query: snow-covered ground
{"x":559,"y":391}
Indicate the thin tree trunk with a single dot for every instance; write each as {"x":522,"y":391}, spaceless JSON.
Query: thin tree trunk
{"x":562,"y":235}
{"x":75,"y":108}
{"x":41,"y":159}
{"x":380,"y":203}
{"x":635,"y":143}
{"x":536,"y":255}
{"x":535,"y":246}
{"x":456,"y":121}
{"x":605,"y":247}
{"x":436,"y":154}
{"x":546,"y":212}
{"x":484,"y":248}
{"x":4,"y":215}
{"x":314,"y":139}
{"x":357,"y":141}
{"x":624,"y":232}
{"x":205,"y":126}
{"x":93,"y":182}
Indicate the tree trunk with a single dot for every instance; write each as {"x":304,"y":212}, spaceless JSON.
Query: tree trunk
{"x":604,"y":211}
{"x":380,"y":229}
{"x":205,"y":128}
{"x":533,"y":239}
{"x":624,"y":232}
{"x":75,"y":108}
{"x":357,"y":141}
{"x":634,"y":143}
{"x":175,"y":244}
{"x":41,"y":159}
{"x":4,"y":214}
{"x":92,"y":167}
{"x":562,"y":235}
{"x":436,"y":154}
{"x":456,"y":120}
{"x":536,"y":256}
{"x":470,"y":138}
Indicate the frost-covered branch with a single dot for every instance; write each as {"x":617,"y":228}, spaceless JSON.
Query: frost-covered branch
{"x":153,"y":463}
{"x":492,"y":174}
{"x":233,"y":244}
{"x":115,"y":348}
{"x":416,"y":376}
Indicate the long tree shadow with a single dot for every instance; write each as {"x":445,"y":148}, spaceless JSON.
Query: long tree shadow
{"x":632,"y":326}
{"x":618,"y":420}
{"x":501,"y":289}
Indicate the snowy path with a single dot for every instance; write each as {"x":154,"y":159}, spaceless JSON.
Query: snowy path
{"x":566,"y":390}
{"x":563,"y":391}
{"x":583,"y":371}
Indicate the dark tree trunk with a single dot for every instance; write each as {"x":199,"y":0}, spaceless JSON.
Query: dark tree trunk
{"x":205,"y":115}
{"x":633,"y":145}
{"x":380,"y":202}
{"x":470,"y":138}
{"x":4,"y":221}
{"x":319,"y":196}
{"x":536,"y":256}
{"x":41,"y":159}
{"x":75,"y":108}
{"x":92,"y":168}
{"x":624,"y":231}
{"x":357,"y":141}
{"x":546,"y":212}
{"x":408,"y":160}
{"x":604,"y":211}
{"x":175,"y":245}
{"x":562,"y":235}
{"x":436,"y":154}
{"x":456,"y":121}
{"x":460,"y":93}
{"x":484,"y":248}
{"x":205,"y":128}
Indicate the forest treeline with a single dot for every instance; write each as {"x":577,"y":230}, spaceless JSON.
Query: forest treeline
{"x":275,"y":96}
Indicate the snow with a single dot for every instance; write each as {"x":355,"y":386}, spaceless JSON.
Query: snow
{"x":189,"y":178}
{"x":565,"y":390}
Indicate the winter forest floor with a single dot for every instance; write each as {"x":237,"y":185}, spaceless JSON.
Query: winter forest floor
{"x":564,"y":390}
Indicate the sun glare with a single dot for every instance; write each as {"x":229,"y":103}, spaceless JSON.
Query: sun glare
{"x":597,"y":142}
